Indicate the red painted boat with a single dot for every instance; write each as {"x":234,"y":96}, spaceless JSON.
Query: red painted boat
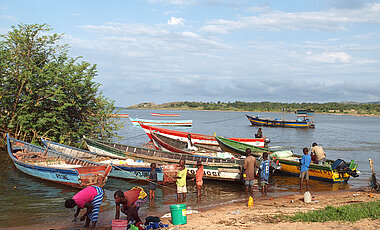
{"x":198,"y":138}
{"x":164,"y":115}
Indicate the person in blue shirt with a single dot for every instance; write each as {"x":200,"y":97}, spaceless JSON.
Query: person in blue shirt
{"x":264,"y":174}
{"x":305,"y":163}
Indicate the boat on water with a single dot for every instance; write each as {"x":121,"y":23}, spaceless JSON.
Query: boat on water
{"x":333,"y":171}
{"x":164,"y":115}
{"x":123,"y":167}
{"x":305,"y":119}
{"x":163,"y":142}
{"x":199,"y":139}
{"x":214,"y":168}
{"x":54,"y":166}
{"x":187,"y":123}
{"x":120,"y":115}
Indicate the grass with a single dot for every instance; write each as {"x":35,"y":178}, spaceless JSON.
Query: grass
{"x":347,"y":213}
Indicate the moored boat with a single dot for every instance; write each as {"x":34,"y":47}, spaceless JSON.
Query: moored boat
{"x":332,"y":171}
{"x":54,"y":166}
{"x":120,"y":115}
{"x":161,"y":141}
{"x":164,"y":115}
{"x":188,"y":123}
{"x":214,"y":168}
{"x":122,"y":167}
{"x":199,"y":139}
{"x":305,"y":119}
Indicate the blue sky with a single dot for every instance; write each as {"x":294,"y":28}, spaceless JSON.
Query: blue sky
{"x":209,"y":50}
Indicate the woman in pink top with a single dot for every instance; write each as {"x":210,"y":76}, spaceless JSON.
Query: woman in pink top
{"x":90,"y":198}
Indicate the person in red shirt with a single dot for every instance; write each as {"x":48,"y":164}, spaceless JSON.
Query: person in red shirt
{"x":130,"y":204}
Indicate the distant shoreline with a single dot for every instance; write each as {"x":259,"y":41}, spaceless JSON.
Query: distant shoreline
{"x":219,"y":110}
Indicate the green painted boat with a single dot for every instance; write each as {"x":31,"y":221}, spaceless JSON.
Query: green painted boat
{"x":214,"y":168}
{"x":332,"y":171}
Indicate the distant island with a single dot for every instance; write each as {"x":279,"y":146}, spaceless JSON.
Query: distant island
{"x":349,"y":108}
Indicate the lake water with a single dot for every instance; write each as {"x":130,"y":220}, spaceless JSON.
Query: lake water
{"x":26,"y":201}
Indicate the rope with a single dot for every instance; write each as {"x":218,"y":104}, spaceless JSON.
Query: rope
{"x":233,"y":118}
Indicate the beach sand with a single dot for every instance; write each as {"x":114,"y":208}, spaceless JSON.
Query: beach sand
{"x":260,"y":216}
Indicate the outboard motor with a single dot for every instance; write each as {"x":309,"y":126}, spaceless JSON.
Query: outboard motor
{"x":342,"y":167}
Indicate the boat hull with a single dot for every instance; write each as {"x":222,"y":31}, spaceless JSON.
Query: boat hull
{"x":289,"y":167}
{"x":216,"y":171}
{"x":279,"y":123}
{"x":164,"y":115}
{"x":186,"y":123}
{"x":76,"y":173}
{"x":200,"y":139}
{"x":120,"y":168}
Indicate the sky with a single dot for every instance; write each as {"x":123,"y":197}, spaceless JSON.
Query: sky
{"x":218,"y":50}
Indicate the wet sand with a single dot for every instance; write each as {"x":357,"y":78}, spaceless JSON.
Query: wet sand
{"x":260,"y":216}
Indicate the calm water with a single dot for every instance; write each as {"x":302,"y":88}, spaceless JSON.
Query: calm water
{"x":26,"y":201}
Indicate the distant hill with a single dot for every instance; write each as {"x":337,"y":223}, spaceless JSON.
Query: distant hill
{"x":357,"y":108}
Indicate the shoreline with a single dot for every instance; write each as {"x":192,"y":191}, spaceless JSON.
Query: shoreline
{"x":218,"y":110}
{"x":263,"y":215}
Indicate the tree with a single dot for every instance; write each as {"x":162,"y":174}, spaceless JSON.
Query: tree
{"x":44,"y":92}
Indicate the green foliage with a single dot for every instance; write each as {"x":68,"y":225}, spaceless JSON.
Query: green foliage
{"x":351,"y":213}
{"x":44,"y":92}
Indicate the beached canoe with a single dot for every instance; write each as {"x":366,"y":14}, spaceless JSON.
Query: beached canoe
{"x":199,"y":139}
{"x":186,"y":123}
{"x":164,"y":142}
{"x":123,"y":167}
{"x":332,"y":171}
{"x":214,"y":168}
{"x":164,"y":115}
{"x":54,"y":166}
{"x":305,"y":119}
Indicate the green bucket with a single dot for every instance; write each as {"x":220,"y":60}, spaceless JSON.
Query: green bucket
{"x":178,"y":212}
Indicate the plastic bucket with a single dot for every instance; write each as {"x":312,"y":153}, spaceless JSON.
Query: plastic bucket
{"x":178,"y":212}
{"x":119,"y":224}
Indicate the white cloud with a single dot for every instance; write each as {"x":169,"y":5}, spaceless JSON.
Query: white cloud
{"x":173,"y":21}
{"x":331,"y":20}
{"x":331,"y":57}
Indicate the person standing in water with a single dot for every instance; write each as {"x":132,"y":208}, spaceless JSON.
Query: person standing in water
{"x":249,"y":171}
{"x":152,"y":181}
{"x":264,"y":173}
{"x":181,"y":180}
{"x":304,"y":169}
{"x":199,"y":178}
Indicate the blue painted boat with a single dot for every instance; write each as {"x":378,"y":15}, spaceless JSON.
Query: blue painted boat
{"x":305,"y":119}
{"x":50,"y":165}
{"x":122,"y":167}
{"x":135,"y":122}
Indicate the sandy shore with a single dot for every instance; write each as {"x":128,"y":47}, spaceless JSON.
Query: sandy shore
{"x":261,"y":216}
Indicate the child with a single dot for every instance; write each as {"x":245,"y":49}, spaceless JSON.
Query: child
{"x":264,"y":175}
{"x":181,"y":180}
{"x":152,"y":181}
{"x":199,"y":178}
{"x":304,"y":170}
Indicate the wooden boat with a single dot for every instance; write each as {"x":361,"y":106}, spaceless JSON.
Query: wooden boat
{"x":120,"y":115}
{"x":50,"y":165}
{"x":305,"y":119}
{"x":198,"y":139}
{"x":164,"y":115}
{"x":290,"y":164}
{"x":135,"y":122}
{"x":214,"y":168}
{"x":163,"y":142}
{"x":122,"y":167}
